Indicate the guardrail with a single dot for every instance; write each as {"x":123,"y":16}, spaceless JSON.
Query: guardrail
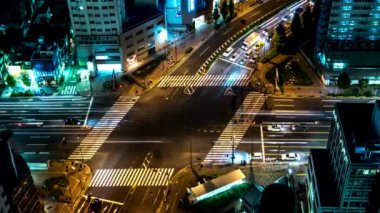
{"x":207,"y":64}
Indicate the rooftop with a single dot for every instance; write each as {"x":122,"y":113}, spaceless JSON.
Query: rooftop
{"x":218,"y":183}
{"x":323,"y":174}
{"x":358,"y":122}
{"x":140,"y":15}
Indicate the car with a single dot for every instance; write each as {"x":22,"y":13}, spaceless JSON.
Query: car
{"x":256,"y":56}
{"x":258,"y":46}
{"x":257,"y":156}
{"x":275,"y":128}
{"x":73,"y":121}
{"x":242,"y":61}
{"x":234,"y":57}
{"x":228,"y":52}
{"x":285,"y":18}
{"x":298,"y":127}
{"x":95,"y":206}
{"x":252,"y":61}
{"x":291,"y":156}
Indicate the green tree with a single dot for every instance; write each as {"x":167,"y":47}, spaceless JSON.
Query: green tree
{"x":231,"y":8}
{"x":344,"y":81}
{"x":224,"y":10}
{"x":25,"y":79}
{"x":363,"y":83}
{"x":279,"y":38}
{"x":307,"y":18}
{"x":216,"y":15}
{"x":11,"y":81}
{"x":296,"y":26}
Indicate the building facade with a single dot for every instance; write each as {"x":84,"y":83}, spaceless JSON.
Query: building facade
{"x":97,"y":25}
{"x":179,"y":14}
{"x":348,"y":30}
{"x":340,"y":178}
{"x":16,"y":181}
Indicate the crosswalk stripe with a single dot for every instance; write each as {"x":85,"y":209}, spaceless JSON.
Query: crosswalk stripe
{"x":204,"y":81}
{"x":234,"y":133}
{"x":131,"y":177}
{"x":102,"y":130}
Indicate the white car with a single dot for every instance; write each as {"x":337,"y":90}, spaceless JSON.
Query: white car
{"x":234,"y":57}
{"x":228,"y":51}
{"x":290,"y":157}
{"x":275,"y":128}
{"x":257,"y":156}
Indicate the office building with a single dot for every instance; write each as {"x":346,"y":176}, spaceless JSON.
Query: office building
{"x":348,"y":32}
{"x":19,"y":192}
{"x":179,"y":14}
{"x":341,"y":177}
{"x":97,"y":25}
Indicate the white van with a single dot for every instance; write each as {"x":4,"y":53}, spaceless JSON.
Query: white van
{"x":248,"y":54}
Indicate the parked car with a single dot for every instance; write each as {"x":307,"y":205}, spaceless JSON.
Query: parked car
{"x":228,"y":51}
{"x":275,"y":128}
{"x":257,"y":156}
{"x":258,"y":46}
{"x":290,"y":156}
{"x":234,"y":57}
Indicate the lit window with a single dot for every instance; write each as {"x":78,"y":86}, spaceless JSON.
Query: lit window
{"x":346,"y":15}
{"x":338,"y":66}
{"x":346,"y":7}
{"x":81,"y":7}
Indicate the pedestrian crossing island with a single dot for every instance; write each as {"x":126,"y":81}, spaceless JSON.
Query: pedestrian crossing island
{"x":132,"y":177}
{"x":204,"y":81}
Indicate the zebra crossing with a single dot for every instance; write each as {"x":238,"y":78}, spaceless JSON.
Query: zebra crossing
{"x":204,"y":80}
{"x":69,"y":90}
{"x":132,"y":177}
{"x":102,"y":130}
{"x":234,"y":132}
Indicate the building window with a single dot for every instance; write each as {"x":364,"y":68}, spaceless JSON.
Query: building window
{"x":113,"y":22}
{"x":149,"y":27}
{"x":112,"y":14}
{"x":141,"y":40}
{"x":150,"y":35}
{"x":129,"y":46}
{"x":139,"y":32}
{"x":128,"y":37}
{"x":92,"y":22}
{"x":99,"y":30}
{"x":104,"y":7}
{"x":111,"y":7}
{"x":106,"y":22}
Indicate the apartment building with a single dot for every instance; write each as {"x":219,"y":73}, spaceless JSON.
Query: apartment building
{"x":348,"y":32}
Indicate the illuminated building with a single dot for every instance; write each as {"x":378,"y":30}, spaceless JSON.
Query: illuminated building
{"x":97,"y":25}
{"x":179,"y":14}
{"x":348,"y":39}
{"x":340,"y":178}
{"x":19,"y":192}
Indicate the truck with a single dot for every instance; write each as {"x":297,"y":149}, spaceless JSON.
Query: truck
{"x":252,"y":39}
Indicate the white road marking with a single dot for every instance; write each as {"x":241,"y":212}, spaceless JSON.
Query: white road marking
{"x":204,"y":51}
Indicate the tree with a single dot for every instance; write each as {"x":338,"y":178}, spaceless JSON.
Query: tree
{"x":296,"y":26}
{"x":344,"y":81}
{"x":216,"y":15}
{"x":224,"y":10}
{"x":25,"y":79}
{"x":231,"y":8}
{"x":307,"y":18}
{"x":279,"y":38}
{"x":363,"y":83}
{"x":11,"y":81}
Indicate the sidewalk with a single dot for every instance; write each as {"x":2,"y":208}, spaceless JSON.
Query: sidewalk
{"x":264,"y":174}
{"x":79,"y":177}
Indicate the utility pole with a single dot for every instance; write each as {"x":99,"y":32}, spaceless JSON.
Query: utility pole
{"x":191,"y":154}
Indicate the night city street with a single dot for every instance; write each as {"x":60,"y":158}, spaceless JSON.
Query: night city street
{"x":189,"y":106}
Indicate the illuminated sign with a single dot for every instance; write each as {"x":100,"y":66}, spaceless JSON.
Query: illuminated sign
{"x":14,"y":70}
{"x":191,"y":5}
